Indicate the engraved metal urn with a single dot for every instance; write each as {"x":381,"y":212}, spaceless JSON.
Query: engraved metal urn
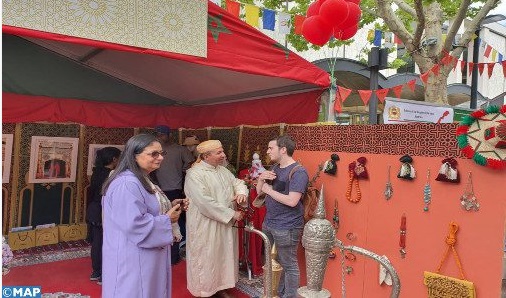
{"x":318,"y":239}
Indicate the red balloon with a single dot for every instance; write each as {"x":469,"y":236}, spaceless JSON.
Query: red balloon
{"x":346,"y":33}
{"x":334,"y":12}
{"x":316,"y":30}
{"x":354,"y":13}
{"x":313,"y":9}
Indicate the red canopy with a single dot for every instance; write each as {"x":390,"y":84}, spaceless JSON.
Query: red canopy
{"x":242,"y":65}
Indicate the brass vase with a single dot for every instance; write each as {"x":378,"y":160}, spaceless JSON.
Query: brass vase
{"x":276,"y":272}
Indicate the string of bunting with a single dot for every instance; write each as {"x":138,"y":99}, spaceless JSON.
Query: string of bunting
{"x":343,"y":93}
{"x":252,"y":16}
{"x":376,"y":36}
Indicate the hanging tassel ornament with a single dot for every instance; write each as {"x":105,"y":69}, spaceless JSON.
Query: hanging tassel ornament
{"x":402,"y":237}
{"x":468,"y":200}
{"x":353,"y":181}
{"x":330,"y":166}
{"x":389,"y":191}
{"x":427,"y":193}
{"x":407,"y":171}
{"x":335,"y":218}
{"x":356,"y":171}
{"x":448,"y":171}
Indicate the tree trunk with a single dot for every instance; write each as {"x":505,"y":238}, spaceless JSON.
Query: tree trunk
{"x":436,"y":89}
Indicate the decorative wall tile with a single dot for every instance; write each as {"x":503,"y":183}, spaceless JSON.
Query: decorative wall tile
{"x":422,"y":139}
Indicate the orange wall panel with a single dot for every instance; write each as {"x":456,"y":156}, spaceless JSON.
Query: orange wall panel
{"x":376,"y":221}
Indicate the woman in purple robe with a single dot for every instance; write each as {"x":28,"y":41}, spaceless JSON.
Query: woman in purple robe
{"x":137,"y":225}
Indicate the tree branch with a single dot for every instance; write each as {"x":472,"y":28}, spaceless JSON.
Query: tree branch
{"x":421,"y":23}
{"x":370,"y":11}
{"x":457,"y":22}
{"x":404,"y":6}
{"x":475,"y":22}
{"x":394,"y":23}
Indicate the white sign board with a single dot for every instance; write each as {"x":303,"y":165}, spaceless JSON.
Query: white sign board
{"x":397,"y":112}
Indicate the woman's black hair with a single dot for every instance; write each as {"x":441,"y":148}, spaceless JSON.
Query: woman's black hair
{"x":134,"y":146}
{"x":106,"y":155}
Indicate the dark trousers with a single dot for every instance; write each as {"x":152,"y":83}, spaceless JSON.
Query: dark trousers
{"x":96,"y":247}
{"x":174,"y":251}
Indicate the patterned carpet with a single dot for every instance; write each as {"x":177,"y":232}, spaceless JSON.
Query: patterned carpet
{"x":51,"y":253}
{"x":63,"y":295}
{"x":80,"y":249}
{"x":253,"y":287}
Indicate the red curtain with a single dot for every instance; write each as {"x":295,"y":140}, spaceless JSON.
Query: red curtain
{"x":294,"y":109}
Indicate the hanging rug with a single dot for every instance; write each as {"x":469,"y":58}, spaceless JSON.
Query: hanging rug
{"x":482,"y":137}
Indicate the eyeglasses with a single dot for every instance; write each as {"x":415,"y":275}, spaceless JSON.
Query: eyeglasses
{"x":155,"y":154}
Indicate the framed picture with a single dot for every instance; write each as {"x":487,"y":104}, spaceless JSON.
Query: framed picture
{"x":92,"y":155}
{"x":53,"y":159}
{"x":7,"y":141}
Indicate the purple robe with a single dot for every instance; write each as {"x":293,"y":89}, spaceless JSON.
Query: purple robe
{"x":136,"y":249}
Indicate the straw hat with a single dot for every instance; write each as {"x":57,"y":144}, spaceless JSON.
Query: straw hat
{"x":482,"y":137}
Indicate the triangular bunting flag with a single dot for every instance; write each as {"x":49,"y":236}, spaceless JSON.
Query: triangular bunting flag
{"x":338,"y":106}
{"x":488,"y":50}
{"x":424,"y":77}
{"x":269,"y":19}
{"x":365,"y":95}
{"x":397,"y":90}
{"x":455,"y":61}
{"x":252,"y":14}
{"x":343,"y":92}
{"x":446,"y":60}
{"x":504,"y":68}
{"x":382,"y":93}
{"x":377,"y":37}
{"x":411,"y":85}
{"x":284,"y":23}
{"x":397,"y":40}
{"x":233,"y":7}
{"x":471,"y":66}
{"x":389,"y":40}
{"x":462,"y":65}
{"x":435,"y":69}
{"x":370,"y":35}
{"x":490,"y":68}
{"x":298,"y":23}
{"x":481,"y":67}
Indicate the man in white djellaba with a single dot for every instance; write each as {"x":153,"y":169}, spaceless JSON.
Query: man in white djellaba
{"x":212,"y":264}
